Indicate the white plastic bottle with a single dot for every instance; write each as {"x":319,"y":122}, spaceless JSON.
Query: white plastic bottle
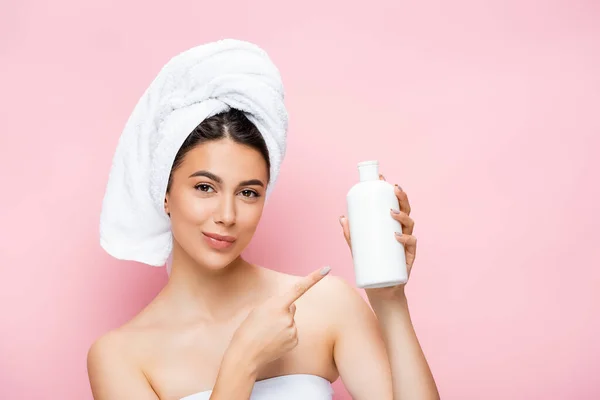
{"x":379,"y":259}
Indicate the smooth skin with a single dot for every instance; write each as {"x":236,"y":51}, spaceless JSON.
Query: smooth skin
{"x":222,"y":323}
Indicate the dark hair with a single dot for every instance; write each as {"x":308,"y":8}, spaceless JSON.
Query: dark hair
{"x":232,"y":124}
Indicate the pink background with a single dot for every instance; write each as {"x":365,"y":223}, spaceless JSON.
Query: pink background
{"x":486,"y":112}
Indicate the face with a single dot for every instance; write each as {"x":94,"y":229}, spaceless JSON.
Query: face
{"x":216,"y":200}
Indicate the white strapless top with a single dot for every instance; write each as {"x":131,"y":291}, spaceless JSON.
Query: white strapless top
{"x":285,"y":387}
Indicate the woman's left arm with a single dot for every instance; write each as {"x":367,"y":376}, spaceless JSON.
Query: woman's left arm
{"x":411,"y":376}
{"x":410,"y":373}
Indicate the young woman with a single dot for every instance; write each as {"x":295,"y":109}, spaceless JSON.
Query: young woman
{"x":223,"y":328}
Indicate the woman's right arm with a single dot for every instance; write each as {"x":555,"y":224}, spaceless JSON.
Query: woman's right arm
{"x":113,"y":376}
{"x":265,"y":335}
{"x":236,"y":377}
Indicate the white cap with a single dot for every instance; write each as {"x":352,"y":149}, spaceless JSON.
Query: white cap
{"x":368,"y":170}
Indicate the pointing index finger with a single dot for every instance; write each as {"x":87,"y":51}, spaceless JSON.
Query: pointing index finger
{"x":304,"y":285}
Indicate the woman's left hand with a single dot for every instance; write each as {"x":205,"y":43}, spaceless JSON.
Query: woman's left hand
{"x":406,"y":238}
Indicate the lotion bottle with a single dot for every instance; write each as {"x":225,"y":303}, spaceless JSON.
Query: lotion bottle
{"x":379,"y":259}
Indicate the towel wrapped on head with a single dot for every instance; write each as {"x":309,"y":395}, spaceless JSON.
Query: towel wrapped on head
{"x":194,"y":85}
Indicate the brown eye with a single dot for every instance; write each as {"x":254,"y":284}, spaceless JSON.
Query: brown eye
{"x":203,"y":187}
{"x":249,"y":193}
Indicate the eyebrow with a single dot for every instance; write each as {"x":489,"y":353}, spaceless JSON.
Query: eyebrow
{"x":210,"y":175}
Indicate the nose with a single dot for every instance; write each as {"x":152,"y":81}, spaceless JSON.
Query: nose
{"x":225,"y":212}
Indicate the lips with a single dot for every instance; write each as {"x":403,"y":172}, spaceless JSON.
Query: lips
{"x":218,"y":242}
{"x":230,"y":239}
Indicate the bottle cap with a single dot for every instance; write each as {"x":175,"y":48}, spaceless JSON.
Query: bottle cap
{"x":368,"y":170}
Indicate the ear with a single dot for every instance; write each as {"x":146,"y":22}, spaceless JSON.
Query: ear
{"x":167,"y":205}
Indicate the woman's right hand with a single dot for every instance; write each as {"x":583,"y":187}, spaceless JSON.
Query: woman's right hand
{"x":269,"y":331}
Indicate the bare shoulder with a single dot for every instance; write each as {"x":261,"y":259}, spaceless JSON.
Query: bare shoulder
{"x":121,"y":346}
{"x":110,"y":349}
{"x":123,"y":343}
{"x":113,"y":370}
{"x":332,"y":290}
{"x":333,"y":295}
{"x":340,"y":299}
{"x":104,"y":356}
{"x":337,"y":291}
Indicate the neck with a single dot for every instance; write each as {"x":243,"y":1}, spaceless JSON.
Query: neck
{"x":197,"y":291}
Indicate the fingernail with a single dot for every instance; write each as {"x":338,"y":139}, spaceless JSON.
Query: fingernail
{"x":398,"y":186}
{"x":395,"y":211}
{"x":325,"y":270}
{"x":398,"y":233}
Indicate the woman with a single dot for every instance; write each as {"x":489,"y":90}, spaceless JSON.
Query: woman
{"x":223,"y":328}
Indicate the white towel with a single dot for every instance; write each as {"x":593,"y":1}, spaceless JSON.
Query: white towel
{"x":192,"y":86}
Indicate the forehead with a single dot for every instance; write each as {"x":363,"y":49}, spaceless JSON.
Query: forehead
{"x":226,"y":158}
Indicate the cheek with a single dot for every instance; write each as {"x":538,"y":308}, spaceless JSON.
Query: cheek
{"x":187,"y":209}
{"x":197,"y":211}
{"x":249,"y":216}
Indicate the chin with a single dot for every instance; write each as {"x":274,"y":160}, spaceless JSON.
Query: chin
{"x":213,"y":260}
